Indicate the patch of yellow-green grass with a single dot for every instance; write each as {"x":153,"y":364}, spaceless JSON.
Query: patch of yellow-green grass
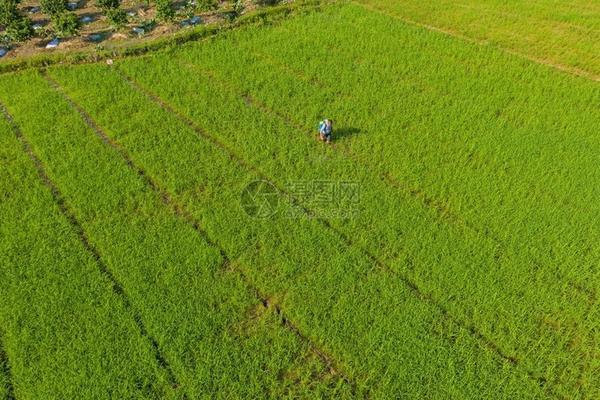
{"x":565,"y":35}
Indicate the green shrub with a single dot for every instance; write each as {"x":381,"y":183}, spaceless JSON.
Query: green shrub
{"x":8,"y":11}
{"x":18,"y":27}
{"x":207,"y":5}
{"x":117,"y":17}
{"x":267,"y":2}
{"x":108,"y":4}
{"x":238,"y":7}
{"x":19,"y":30}
{"x":66,"y":24}
{"x":188,"y":10}
{"x":53,"y":8}
{"x":148,"y":25}
{"x":164,"y":10}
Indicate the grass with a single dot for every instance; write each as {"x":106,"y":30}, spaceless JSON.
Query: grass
{"x":435,"y":141}
{"x":466,"y":269}
{"x":299,"y":270}
{"x":5,"y":383}
{"x":455,"y":165}
{"x":564,"y":34}
{"x":187,"y":299}
{"x":48,"y":277}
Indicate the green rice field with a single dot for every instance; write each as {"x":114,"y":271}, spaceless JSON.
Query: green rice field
{"x":172,"y":228}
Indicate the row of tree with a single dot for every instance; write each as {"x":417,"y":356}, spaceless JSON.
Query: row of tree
{"x":18,"y":27}
{"x":64,"y":21}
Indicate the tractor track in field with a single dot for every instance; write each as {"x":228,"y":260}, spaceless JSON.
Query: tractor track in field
{"x":252,"y":101}
{"x":439,"y":207}
{"x":443,"y":212}
{"x":327,"y":360}
{"x":183,"y":213}
{"x":481,"y":42}
{"x":6,"y":370}
{"x":419,"y":85}
{"x":66,"y":211}
{"x":410,"y":284}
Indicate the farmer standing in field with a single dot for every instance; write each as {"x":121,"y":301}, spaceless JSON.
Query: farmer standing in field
{"x":325,"y":130}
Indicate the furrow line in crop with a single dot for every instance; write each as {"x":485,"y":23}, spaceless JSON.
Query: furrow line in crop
{"x":6,"y":371}
{"x":410,"y":284}
{"x":442,"y":210}
{"x":559,"y":67}
{"x":251,"y":101}
{"x":422,"y":86}
{"x":92,"y":124}
{"x":182,"y":212}
{"x":80,"y":232}
{"x":329,"y":361}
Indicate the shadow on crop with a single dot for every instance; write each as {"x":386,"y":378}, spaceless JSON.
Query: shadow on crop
{"x":345,"y":132}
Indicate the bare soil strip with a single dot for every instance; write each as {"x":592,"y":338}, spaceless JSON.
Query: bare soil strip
{"x":185,"y":214}
{"x":417,"y":292}
{"x":76,"y":225}
{"x":560,"y":67}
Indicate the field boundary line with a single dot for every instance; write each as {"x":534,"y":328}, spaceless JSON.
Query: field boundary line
{"x":508,"y":14}
{"x":182,"y":212}
{"x":410,"y":284}
{"x":67,"y":213}
{"x":328,"y":361}
{"x":443,"y":212}
{"x":6,"y":370}
{"x":559,"y":67}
